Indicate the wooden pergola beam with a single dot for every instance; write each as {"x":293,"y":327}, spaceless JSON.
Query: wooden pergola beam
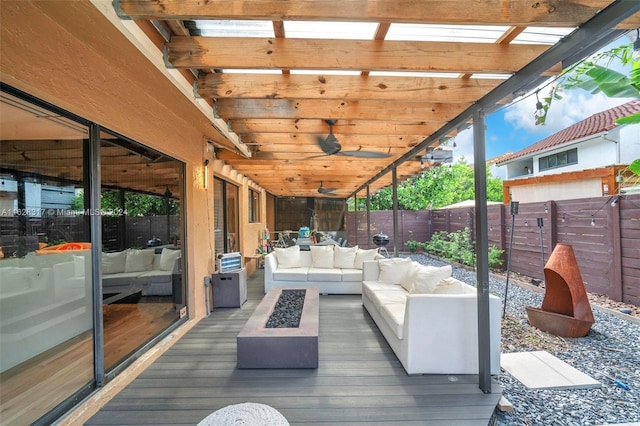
{"x":337,"y":109}
{"x":565,"y":13}
{"x":249,"y":126}
{"x":305,"y":140}
{"x":359,"y":55}
{"x":302,"y":86}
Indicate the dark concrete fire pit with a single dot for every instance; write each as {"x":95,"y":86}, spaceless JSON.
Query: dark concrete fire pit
{"x":260,"y":346}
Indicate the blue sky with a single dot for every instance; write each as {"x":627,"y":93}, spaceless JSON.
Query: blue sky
{"x":513,"y":128}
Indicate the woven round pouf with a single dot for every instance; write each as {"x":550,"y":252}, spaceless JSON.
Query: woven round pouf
{"x":245,"y":414}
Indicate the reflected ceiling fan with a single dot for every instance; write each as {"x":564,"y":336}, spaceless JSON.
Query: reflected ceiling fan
{"x":330,"y":146}
{"x":438,"y":155}
{"x":326,"y":191}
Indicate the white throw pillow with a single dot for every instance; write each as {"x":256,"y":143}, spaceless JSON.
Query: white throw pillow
{"x":426,"y":278}
{"x":344,"y":257}
{"x":363,"y":255}
{"x":448,"y":286}
{"x":322,"y":256}
{"x":139,"y":260}
{"x":288,"y":257}
{"x":393,"y":270}
{"x":78,"y":264}
{"x":114,"y":263}
{"x":168,"y":259}
{"x":408,"y":278}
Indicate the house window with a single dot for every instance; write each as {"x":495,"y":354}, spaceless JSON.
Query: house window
{"x":254,"y":206}
{"x":561,"y":159}
{"x":225,"y":219}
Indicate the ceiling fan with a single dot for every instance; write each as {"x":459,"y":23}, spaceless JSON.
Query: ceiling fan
{"x":331,"y":146}
{"x":326,"y":191}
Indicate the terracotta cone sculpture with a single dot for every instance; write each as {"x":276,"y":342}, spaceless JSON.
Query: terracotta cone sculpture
{"x":565,"y":310}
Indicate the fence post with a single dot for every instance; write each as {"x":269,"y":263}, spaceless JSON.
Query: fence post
{"x":552,"y":220}
{"x":502,"y":227}
{"x":615,"y":242}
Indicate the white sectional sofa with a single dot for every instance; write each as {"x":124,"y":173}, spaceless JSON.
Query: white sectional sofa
{"x":129,"y":271}
{"x":333,"y":269}
{"x":428,"y":318}
{"x":38,"y":311}
{"x":46,"y":300}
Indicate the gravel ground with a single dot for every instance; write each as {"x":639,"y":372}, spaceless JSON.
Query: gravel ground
{"x":612,"y":347}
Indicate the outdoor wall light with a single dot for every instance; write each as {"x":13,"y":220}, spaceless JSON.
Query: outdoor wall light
{"x":539,"y":108}
{"x":206,"y":174}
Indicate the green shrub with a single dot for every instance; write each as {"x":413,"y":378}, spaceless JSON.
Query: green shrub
{"x":412,"y":245}
{"x":458,"y":247}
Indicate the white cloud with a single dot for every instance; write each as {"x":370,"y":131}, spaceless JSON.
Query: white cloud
{"x":576,"y":105}
{"x":464,"y":146}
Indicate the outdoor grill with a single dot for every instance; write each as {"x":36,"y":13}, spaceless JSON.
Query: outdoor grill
{"x":381,"y":240}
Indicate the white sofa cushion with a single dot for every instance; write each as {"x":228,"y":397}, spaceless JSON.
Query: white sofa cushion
{"x":384,"y":297}
{"x":393,"y":315}
{"x":290,"y":274}
{"x":16,"y":279}
{"x":424,"y":279}
{"x":370,"y":288}
{"x":449,"y":286}
{"x":362,"y":255}
{"x":344,"y":257}
{"x":351,"y":275}
{"x":321,"y":257}
{"x":168,"y":259}
{"x":114,"y":263}
{"x":139,"y":260}
{"x":288,"y":257}
{"x":157,"y":276}
{"x":324,"y":274}
{"x":393,"y":270}
{"x":78,"y":266}
{"x":114,"y":283}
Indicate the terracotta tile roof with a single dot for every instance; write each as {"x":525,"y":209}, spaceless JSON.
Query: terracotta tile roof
{"x":500,"y":158}
{"x":597,"y":123}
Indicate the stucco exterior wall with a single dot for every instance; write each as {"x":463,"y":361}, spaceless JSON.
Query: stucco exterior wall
{"x":542,"y":192}
{"x":629,"y":143}
{"x":67,"y":53}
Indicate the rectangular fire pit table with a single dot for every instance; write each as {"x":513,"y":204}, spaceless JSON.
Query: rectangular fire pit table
{"x":293,"y":347}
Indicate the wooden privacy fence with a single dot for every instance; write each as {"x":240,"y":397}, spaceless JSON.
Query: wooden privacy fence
{"x":604,"y":233}
{"x":118,"y":232}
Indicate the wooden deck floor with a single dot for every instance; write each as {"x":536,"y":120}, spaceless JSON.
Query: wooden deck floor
{"x":359,"y":380}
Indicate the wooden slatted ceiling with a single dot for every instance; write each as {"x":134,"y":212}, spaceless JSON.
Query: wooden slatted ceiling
{"x":281,"y":115}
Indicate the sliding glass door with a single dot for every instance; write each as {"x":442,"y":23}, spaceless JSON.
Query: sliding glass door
{"x":91,"y":264}
{"x":46,"y":291}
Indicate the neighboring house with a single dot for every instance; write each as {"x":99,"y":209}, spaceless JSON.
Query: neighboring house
{"x":587,"y":159}
{"x":40,"y":199}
